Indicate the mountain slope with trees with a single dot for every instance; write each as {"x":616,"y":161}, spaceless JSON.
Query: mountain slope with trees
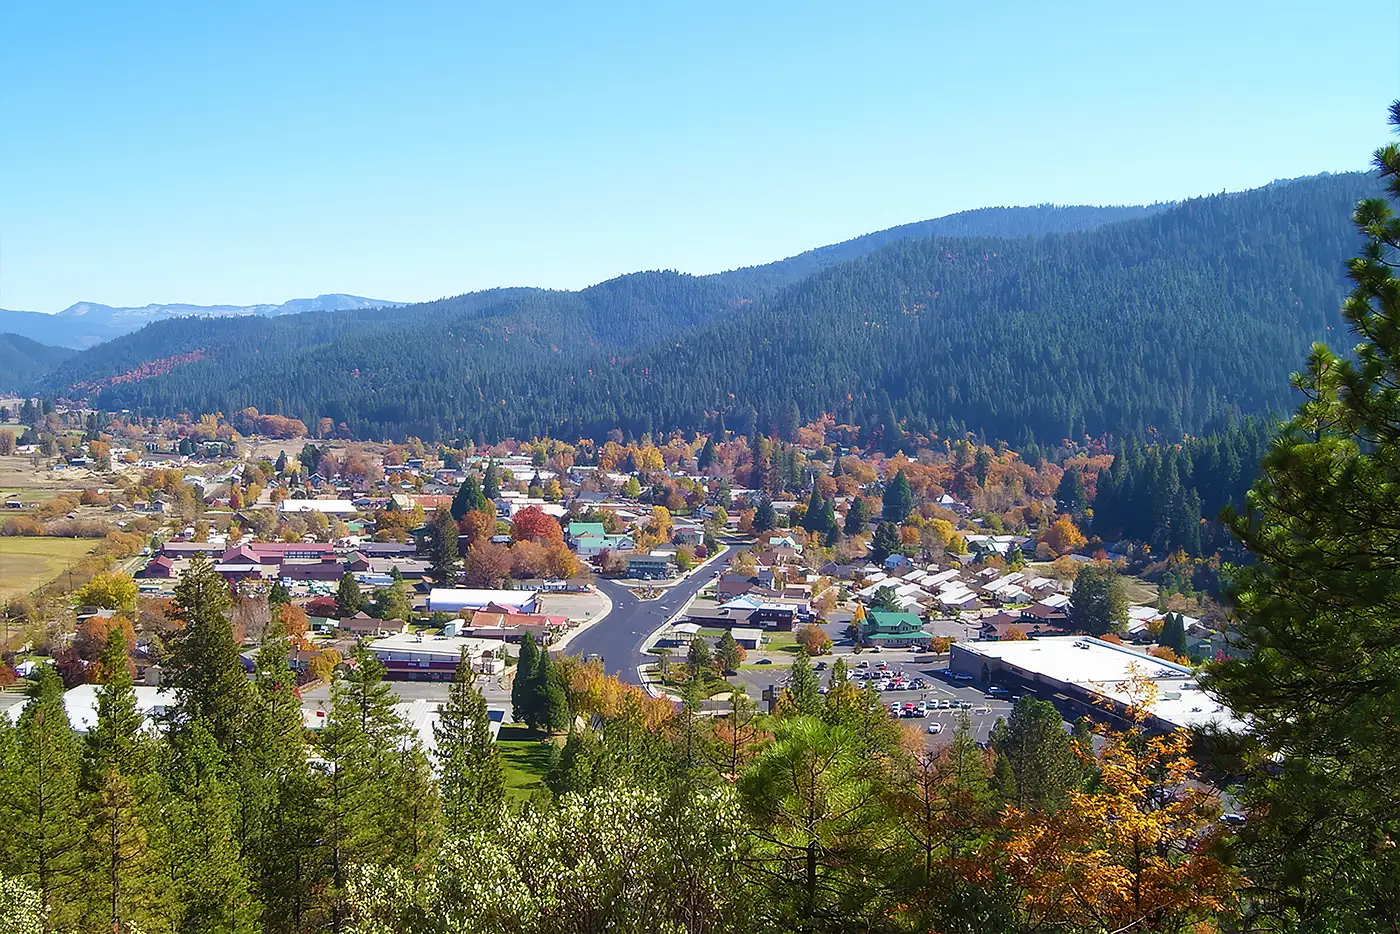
{"x":23,"y":360}
{"x":1171,"y":323}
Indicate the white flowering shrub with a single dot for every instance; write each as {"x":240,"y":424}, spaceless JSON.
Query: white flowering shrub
{"x":619,"y":859}
{"x":21,"y":910}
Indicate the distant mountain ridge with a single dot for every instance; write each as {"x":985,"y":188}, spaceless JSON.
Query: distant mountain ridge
{"x":85,"y":324}
{"x":1015,"y":222}
{"x":1176,"y":319}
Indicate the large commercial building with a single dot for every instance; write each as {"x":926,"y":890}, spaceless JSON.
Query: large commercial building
{"x":1080,"y":671}
{"x":455,"y":600}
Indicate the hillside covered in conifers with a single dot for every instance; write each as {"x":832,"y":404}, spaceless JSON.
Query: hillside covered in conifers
{"x":1174,"y":319}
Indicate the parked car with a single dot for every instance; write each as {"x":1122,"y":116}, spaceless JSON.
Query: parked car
{"x":998,"y":692}
{"x":1234,"y":820}
{"x":764,"y":661}
{"x":820,"y":666}
{"x":935,"y":728}
{"x":922,"y":708}
{"x":961,"y":676}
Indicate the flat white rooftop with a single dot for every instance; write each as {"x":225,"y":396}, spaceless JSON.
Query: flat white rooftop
{"x":1100,"y":667}
{"x":452,"y":599}
{"x":405,"y":644}
{"x":334,"y":506}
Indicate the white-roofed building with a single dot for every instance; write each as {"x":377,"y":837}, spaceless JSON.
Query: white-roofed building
{"x":1082,"y":669}
{"x":80,"y":703}
{"x":330,"y":507}
{"x":454,"y":599}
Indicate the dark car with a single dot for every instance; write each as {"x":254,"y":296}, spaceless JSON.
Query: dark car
{"x":821,"y":666}
{"x":764,"y":661}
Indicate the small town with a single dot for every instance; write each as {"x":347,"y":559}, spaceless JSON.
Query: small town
{"x":655,"y":563}
{"x":700,"y":469}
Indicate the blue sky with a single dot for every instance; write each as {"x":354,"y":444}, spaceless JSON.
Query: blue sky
{"x":251,"y":152}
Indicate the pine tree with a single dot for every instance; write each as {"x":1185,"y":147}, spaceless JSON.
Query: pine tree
{"x":469,"y":498}
{"x":698,"y":657}
{"x":898,"y":499}
{"x":273,"y":826}
{"x":728,"y":652}
{"x":281,"y":465}
{"x":1070,"y":496}
{"x":1320,"y":608}
{"x":831,"y":531}
{"x":204,"y":667}
{"x":885,"y":542}
{"x":125,"y":872}
{"x":44,"y":821}
{"x":442,"y":549}
{"x":1173,"y":635}
{"x":1098,"y":605}
{"x":707,"y":455}
{"x":469,"y":762}
{"x":210,"y":878}
{"x":804,"y":689}
{"x":548,"y":704}
{"x":765,"y":518}
{"x":349,"y":599}
{"x":278,"y":595}
{"x":857,"y":517}
{"x":556,"y":699}
{"x":1039,"y":753}
{"x":491,"y":484}
{"x":812,"y":519}
{"x":377,"y":802}
{"x":522,"y":692}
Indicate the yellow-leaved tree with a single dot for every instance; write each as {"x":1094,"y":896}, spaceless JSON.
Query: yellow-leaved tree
{"x":1133,"y":850}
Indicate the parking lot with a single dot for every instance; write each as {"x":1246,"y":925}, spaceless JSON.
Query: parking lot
{"x":982,"y":710}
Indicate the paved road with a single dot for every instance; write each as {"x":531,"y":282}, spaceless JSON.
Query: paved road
{"x":619,"y":637}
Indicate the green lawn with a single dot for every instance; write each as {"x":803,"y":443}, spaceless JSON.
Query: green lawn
{"x":779,"y":642}
{"x":526,"y":760}
{"x":29,"y":563}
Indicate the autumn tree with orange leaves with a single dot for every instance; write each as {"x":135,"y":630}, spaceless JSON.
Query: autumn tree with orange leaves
{"x":1131,"y":852}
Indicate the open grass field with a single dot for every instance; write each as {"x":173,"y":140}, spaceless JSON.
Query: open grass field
{"x":525,"y":758}
{"x":27,"y":563}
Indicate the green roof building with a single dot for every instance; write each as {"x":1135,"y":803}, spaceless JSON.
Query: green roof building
{"x":884,"y":627}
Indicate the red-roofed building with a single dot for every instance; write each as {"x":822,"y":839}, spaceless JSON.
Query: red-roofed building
{"x":159,"y":566}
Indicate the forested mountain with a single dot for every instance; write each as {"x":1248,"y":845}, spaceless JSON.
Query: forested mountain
{"x":88,"y":323}
{"x":22,"y":360}
{"x":984,"y":222}
{"x":1175,"y":321}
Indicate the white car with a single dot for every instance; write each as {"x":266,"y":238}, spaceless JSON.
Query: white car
{"x":935,"y":728}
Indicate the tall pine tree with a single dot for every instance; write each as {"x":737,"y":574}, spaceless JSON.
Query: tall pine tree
{"x":469,"y":762}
